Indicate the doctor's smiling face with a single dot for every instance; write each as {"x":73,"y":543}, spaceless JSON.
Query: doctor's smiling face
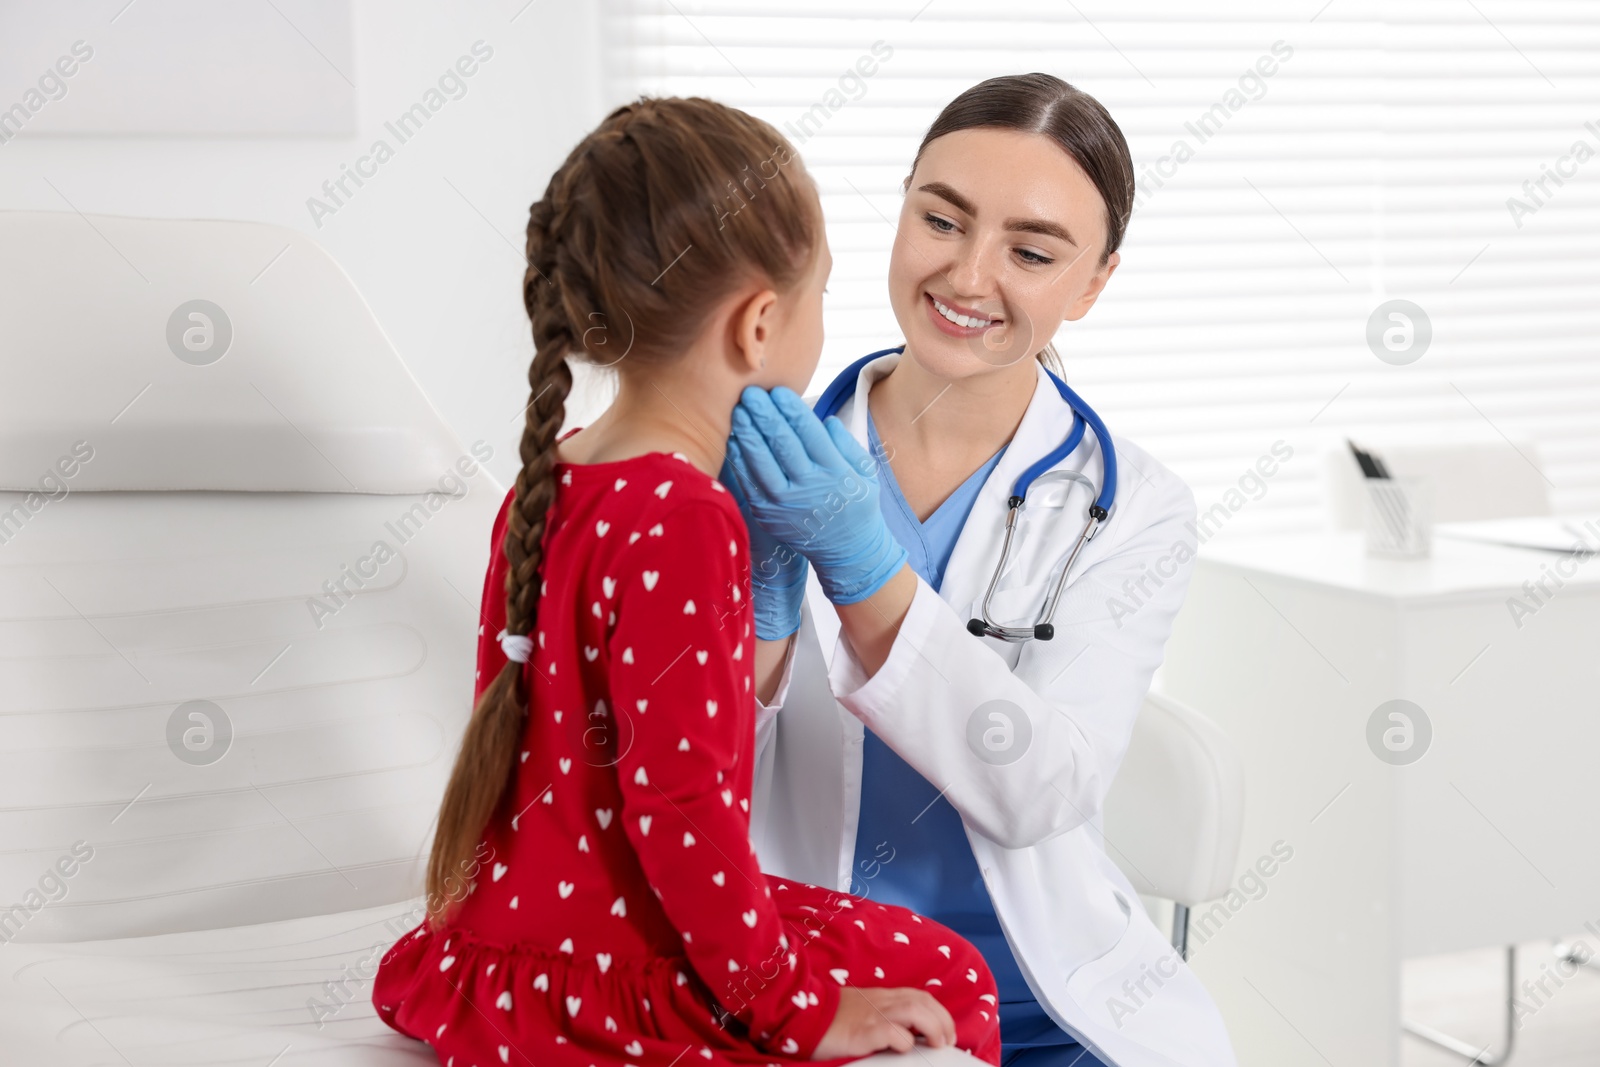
{"x":1001,"y":238}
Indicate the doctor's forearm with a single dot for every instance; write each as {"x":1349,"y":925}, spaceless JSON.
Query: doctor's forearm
{"x":769,"y":666}
{"x":871,"y":625}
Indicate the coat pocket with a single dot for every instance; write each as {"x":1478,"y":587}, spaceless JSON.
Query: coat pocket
{"x":1112,"y":988}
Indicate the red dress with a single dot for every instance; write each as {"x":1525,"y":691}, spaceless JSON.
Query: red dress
{"x":618,"y":914}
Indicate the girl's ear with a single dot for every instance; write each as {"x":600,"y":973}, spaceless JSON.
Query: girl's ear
{"x":755,"y":329}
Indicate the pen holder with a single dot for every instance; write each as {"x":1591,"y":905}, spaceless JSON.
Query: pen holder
{"x":1399,"y":517}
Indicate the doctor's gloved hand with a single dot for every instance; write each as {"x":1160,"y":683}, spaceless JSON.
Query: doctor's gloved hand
{"x":777,"y":572}
{"x":810,"y":485}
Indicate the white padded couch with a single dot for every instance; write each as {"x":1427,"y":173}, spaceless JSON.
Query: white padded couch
{"x":172,"y":512}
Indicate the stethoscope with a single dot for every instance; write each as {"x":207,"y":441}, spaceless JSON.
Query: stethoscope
{"x":844,"y":386}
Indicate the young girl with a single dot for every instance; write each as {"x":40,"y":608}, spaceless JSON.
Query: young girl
{"x":601,"y":796}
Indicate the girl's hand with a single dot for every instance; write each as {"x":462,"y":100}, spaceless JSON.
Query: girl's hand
{"x":871,"y":1020}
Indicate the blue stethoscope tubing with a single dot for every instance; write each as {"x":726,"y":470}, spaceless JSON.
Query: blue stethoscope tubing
{"x":844,"y":386}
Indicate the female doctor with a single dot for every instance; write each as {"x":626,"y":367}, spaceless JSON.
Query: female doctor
{"x":905,"y":753}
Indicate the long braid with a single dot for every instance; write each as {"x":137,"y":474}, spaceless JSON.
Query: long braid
{"x":486,"y":759}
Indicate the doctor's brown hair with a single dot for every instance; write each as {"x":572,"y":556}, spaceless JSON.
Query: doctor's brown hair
{"x":1074,"y":120}
{"x":654,"y":218}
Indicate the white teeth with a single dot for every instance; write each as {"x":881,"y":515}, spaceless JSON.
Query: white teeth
{"x":960,"y":320}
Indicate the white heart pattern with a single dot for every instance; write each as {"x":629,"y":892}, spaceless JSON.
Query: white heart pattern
{"x":619,"y":483}
{"x":791,"y":1046}
{"x":627,"y":654}
{"x":444,"y":964}
{"x":656,"y":530}
{"x":641,"y":778}
{"x":711,"y":709}
{"x":641,"y":704}
{"x":619,"y":907}
{"x":505,"y":1053}
{"x":688,"y":839}
{"x":542,"y":983}
{"x":750,"y":918}
{"x":601,"y":527}
{"x":727,"y":798}
{"x":565,"y":889}
{"x":650,"y":579}
{"x":573,"y":1004}
{"x":840,"y":975}
{"x":604,"y":815}
{"x":590,"y":653}
{"x":603,"y":959}
{"x":644,"y":824}
{"x":702,"y":655}
{"x":877,"y":972}
{"x":608,"y":584}
{"x":719,"y":878}
{"x":946,"y":950}
{"x":565,"y":764}
{"x":972,"y":975}
{"x":499,"y":871}
{"x":902,"y":938}
{"x":683,"y":744}
{"x":688,"y":607}
{"x":504,"y":1001}
{"x":799,"y":1000}
{"x":662,"y":489}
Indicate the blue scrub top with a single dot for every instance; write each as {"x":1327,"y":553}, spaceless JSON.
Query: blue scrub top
{"x":911,"y":848}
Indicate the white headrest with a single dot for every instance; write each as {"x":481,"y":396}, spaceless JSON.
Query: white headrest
{"x":114,"y":375}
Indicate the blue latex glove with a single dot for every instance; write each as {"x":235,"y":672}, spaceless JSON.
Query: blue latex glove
{"x":812,"y":486}
{"x":777,"y":572}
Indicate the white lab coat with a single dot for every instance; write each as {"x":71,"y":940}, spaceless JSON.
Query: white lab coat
{"x":1074,"y":922}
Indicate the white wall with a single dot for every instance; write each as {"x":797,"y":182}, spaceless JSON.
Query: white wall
{"x":440,"y":266}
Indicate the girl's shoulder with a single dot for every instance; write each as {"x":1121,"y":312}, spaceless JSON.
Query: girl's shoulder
{"x":637,"y":495}
{"x":668,"y":476}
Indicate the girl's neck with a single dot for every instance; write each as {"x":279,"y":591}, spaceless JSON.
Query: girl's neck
{"x":656,"y":414}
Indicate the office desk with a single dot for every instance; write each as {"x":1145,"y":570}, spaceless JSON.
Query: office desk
{"x":1291,"y":643}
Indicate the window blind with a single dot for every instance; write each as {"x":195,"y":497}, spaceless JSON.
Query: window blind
{"x":1276,"y":212}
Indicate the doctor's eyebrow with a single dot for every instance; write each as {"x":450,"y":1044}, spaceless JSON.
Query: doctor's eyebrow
{"x":961,"y":203}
